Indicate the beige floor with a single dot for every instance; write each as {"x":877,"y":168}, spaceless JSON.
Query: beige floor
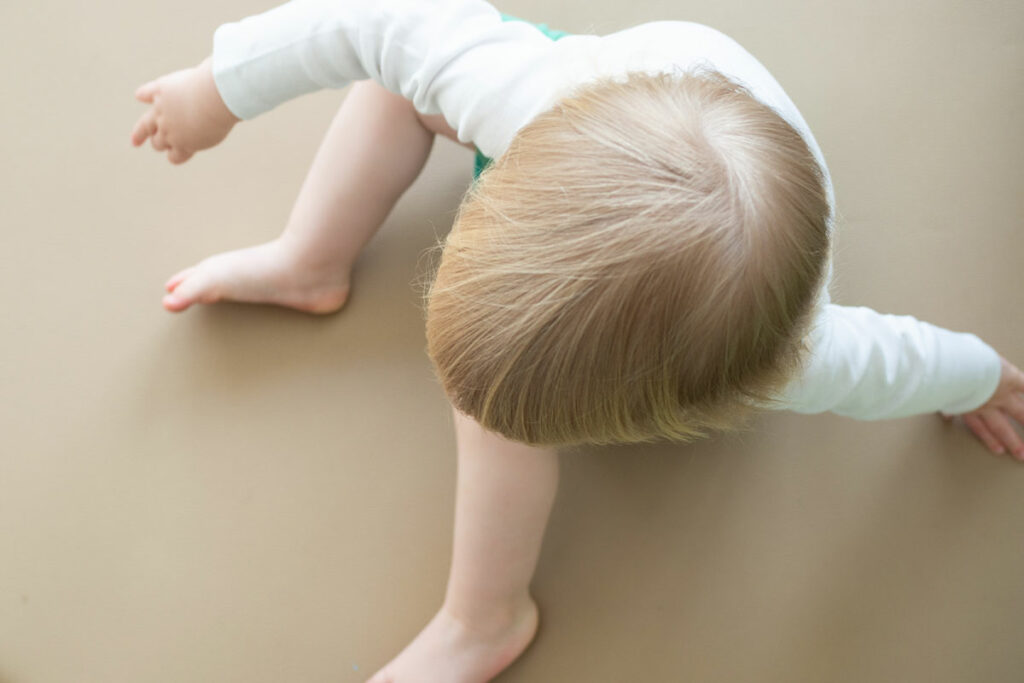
{"x":251,"y":494}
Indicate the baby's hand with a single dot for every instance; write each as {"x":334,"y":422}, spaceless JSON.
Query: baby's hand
{"x":187,"y":115}
{"x":991,"y":422}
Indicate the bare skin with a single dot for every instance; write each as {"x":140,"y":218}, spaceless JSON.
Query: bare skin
{"x":993,"y":423}
{"x":504,"y":495}
{"x":373,"y":151}
{"x":375,"y":148}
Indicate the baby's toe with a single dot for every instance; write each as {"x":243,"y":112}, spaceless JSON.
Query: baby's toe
{"x":175,"y":304}
{"x":195,"y":287}
{"x":178,"y":278}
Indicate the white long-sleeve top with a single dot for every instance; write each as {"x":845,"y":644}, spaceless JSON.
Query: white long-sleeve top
{"x":489,"y":78}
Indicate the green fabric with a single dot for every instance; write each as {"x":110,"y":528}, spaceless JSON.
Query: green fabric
{"x":481,"y":162}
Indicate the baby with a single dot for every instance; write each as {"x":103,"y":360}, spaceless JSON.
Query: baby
{"x":645,"y":254}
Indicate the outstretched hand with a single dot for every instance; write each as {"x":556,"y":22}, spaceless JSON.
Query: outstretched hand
{"x":993,"y":422}
{"x":187,"y":113}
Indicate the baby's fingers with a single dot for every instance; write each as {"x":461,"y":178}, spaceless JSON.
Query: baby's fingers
{"x":145,"y":127}
{"x":146,"y":92}
{"x":996,"y":432}
{"x":1015,"y":407}
{"x":159,"y":141}
{"x":178,"y":156}
{"x":1000,"y":425}
{"x":981,"y":430}
{"x":1016,"y":376}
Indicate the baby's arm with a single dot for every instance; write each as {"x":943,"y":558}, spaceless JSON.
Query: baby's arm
{"x":456,"y":58}
{"x":374,"y":149}
{"x":870,"y":366}
{"x":187,"y":113}
{"x":451,"y":57}
{"x":993,"y":421}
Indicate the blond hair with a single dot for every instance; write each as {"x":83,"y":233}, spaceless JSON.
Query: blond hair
{"x":640,"y":263}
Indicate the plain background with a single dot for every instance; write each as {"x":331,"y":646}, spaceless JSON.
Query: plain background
{"x":243,"y":493}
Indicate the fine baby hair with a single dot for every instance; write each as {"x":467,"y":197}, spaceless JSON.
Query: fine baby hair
{"x":646,"y":257}
{"x":642,"y":262}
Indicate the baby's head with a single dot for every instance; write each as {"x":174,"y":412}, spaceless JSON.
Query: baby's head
{"x":642,"y":262}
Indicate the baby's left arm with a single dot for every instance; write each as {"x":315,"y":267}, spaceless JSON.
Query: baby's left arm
{"x":993,"y":421}
{"x":870,"y":366}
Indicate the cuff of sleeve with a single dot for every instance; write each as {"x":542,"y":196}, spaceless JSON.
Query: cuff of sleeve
{"x":228,"y":76}
{"x":975,"y":360}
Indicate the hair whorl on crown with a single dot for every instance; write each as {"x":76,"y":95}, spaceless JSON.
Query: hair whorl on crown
{"x":640,"y":263}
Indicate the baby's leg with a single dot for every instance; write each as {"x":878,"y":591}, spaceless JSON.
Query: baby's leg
{"x":504,"y":496}
{"x":374,"y":149}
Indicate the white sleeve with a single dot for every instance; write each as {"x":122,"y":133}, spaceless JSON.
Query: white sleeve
{"x":871,"y":366}
{"x":451,"y":57}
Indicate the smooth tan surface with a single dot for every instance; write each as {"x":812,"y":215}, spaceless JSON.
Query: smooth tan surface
{"x":250,"y":494}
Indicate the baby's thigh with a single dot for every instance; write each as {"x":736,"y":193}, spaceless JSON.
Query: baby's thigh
{"x":435,"y":123}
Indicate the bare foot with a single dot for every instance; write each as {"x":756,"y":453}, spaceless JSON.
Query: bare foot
{"x":449,"y":650}
{"x":267,"y":274}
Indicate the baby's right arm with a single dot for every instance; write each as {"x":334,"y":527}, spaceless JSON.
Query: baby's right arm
{"x":452,"y":57}
{"x":487,"y":77}
{"x":187,"y":113}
